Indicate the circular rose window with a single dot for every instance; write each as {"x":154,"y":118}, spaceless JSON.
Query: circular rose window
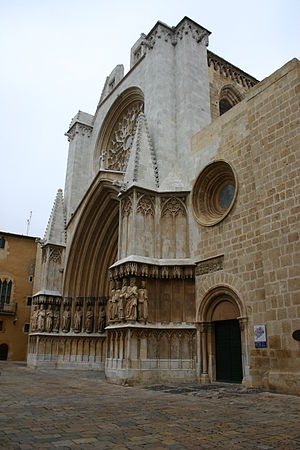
{"x":214,"y":193}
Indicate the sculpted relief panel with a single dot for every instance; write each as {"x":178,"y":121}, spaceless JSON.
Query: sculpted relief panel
{"x":80,"y":315}
{"x":129,"y":303}
{"x":145,"y":227}
{"x":122,"y":137}
{"x":174,"y":228}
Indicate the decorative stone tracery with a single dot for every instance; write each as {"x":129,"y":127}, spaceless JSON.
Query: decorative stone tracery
{"x":122,"y":137}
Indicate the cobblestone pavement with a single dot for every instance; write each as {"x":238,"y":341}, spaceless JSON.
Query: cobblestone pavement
{"x":48,"y":409}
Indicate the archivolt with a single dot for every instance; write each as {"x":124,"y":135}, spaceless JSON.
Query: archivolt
{"x":231,"y":94}
{"x":94,"y":245}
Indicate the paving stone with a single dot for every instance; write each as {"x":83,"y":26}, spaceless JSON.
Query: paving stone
{"x":79,"y":410}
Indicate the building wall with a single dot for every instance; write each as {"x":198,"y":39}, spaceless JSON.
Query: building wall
{"x":17,"y":263}
{"x":259,"y":238}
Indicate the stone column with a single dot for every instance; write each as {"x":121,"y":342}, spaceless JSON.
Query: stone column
{"x":243,"y":321}
{"x":199,"y":352}
{"x":210,"y":351}
{"x":204,"y":378}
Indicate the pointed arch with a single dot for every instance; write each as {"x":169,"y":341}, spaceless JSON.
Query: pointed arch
{"x":94,"y":244}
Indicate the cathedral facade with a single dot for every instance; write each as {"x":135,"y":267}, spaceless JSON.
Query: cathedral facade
{"x":173,"y":255}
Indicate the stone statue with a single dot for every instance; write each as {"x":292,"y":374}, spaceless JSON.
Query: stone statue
{"x":56,"y":319}
{"x":132,"y":299}
{"x":89,"y":319}
{"x":120,"y":301}
{"x":143,"y":303}
{"x":123,"y":299}
{"x":110,"y":302}
{"x":101,"y":319}
{"x":49,"y":319}
{"x":66,"y":319}
{"x":41,"y":318}
{"x":78,"y":319}
{"x":114,"y":310}
{"x":34,"y":318}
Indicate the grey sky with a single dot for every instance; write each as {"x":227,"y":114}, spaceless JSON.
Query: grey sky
{"x":56,"y":54}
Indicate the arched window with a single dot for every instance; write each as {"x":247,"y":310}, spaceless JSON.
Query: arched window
{"x":5,"y":292}
{"x":229,"y":96}
{"x":224,"y":106}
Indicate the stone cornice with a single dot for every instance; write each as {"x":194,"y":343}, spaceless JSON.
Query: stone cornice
{"x":152,"y":268}
{"x":153,"y":326}
{"x":229,"y":70}
{"x":172,"y":34}
{"x":79,"y":128}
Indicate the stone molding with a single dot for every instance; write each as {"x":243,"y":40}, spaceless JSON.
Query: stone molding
{"x":154,"y":326}
{"x":140,"y":269}
{"x":230,"y":71}
{"x":173,"y":34}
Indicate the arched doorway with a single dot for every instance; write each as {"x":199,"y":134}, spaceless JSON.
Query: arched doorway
{"x":223,"y":337}
{"x":3,"y":352}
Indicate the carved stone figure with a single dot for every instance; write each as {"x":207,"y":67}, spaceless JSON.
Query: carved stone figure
{"x":34,"y":318}
{"x":41,"y":318}
{"x":110,"y":302}
{"x":114,"y":311}
{"x":101,"y":319}
{"x":49,"y":319}
{"x":78,"y":319}
{"x":120,"y":301}
{"x":143,"y":303}
{"x":132,"y":299}
{"x":66,"y":319}
{"x":123,"y":299}
{"x":56,"y":319}
{"x":89,"y":319}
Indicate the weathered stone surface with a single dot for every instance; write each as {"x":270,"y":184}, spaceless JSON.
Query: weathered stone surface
{"x":65,"y":409}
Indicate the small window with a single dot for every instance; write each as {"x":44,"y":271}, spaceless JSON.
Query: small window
{"x":26,"y":327}
{"x":1,"y":325}
{"x":2,"y":242}
{"x":30,"y":278}
{"x":224,"y":106}
{"x":5,"y":291}
{"x":29,"y":301}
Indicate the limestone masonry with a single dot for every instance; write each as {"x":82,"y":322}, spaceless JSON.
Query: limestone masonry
{"x":173,"y":255}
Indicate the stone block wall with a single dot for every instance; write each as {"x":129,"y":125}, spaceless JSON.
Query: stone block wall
{"x":259,"y":238}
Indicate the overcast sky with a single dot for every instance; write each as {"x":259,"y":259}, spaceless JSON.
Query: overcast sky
{"x":56,"y":54}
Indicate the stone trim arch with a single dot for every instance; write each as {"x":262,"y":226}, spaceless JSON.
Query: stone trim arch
{"x":220,"y":279}
{"x":229,"y":96}
{"x":215,"y":296}
{"x":212,"y":292}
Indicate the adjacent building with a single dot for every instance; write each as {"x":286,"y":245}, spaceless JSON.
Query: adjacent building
{"x":173,"y":254}
{"x":17,"y":265}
